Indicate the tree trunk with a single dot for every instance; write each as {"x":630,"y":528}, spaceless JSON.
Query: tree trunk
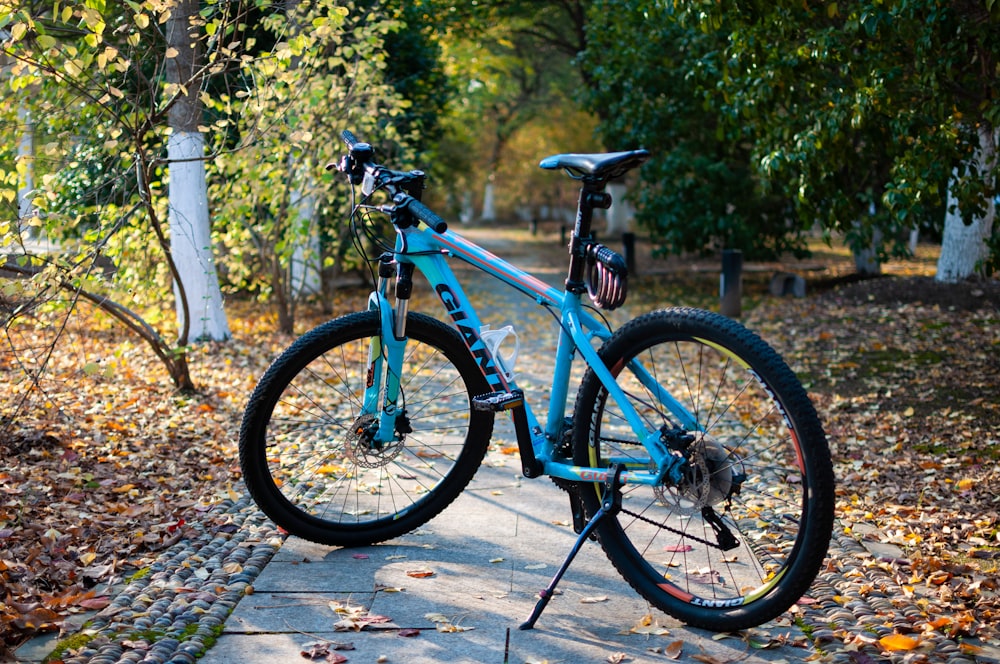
{"x":489,"y":206}
{"x":200,"y":315}
{"x":866,"y":261}
{"x":26,"y":152}
{"x":620,"y":212}
{"x":963,"y":246}
{"x":306,"y":260}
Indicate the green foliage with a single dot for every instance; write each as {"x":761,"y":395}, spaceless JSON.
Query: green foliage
{"x":653,"y":83}
{"x":861,"y":112}
{"x":277,"y":208}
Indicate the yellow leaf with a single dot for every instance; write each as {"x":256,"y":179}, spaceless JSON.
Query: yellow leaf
{"x":898,"y":642}
{"x":908,"y":412}
{"x":437,"y":617}
{"x":18,"y":31}
{"x":966,"y":484}
{"x":172,"y":52}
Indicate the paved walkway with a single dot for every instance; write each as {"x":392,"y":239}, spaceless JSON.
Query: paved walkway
{"x":486,"y":557}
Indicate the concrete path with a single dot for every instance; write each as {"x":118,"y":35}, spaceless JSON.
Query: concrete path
{"x":460,"y":584}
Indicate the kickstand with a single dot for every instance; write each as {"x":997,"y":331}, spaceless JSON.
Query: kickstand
{"x":610,"y":506}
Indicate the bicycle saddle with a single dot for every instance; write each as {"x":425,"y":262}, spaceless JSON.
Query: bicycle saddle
{"x":599,"y":166}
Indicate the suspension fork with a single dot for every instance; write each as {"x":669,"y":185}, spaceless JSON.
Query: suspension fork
{"x":385,"y":354}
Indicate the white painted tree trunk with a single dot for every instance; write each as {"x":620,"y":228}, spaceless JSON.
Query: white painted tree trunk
{"x":190,"y":230}
{"x":963,"y":246}
{"x":306,"y":257}
{"x":468,"y":211}
{"x":190,"y":239}
{"x":620,"y":213}
{"x":866,"y":260}
{"x":489,"y":205}
{"x":26,"y":154}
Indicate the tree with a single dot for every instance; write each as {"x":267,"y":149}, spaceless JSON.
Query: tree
{"x":869,"y":106}
{"x":699,"y":190}
{"x":198,"y":298}
{"x":101,"y":102}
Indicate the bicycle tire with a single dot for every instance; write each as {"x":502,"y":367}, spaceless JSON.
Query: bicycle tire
{"x":760,"y":462}
{"x":311,"y":470}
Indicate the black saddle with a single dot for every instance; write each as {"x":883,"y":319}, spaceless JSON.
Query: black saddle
{"x":600,"y":166}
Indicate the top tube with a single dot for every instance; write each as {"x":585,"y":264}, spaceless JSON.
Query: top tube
{"x":416,"y":241}
{"x":476,"y":256}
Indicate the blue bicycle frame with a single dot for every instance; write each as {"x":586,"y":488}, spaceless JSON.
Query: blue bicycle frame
{"x":426,"y":250}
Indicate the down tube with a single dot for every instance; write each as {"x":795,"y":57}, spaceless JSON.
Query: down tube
{"x":467,"y":322}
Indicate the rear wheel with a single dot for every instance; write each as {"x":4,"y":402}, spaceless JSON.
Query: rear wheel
{"x":306,"y":448}
{"x":742,"y":536}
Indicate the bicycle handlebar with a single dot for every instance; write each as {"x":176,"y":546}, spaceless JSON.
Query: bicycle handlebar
{"x":401,"y":185}
{"x":422,"y":212}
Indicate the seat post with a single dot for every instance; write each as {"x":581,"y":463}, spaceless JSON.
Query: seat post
{"x":592,"y":196}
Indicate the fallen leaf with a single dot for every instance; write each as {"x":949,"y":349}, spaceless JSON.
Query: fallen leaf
{"x":706,"y":659}
{"x":95,"y":603}
{"x":409,"y":632}
{"x":898,"y":642}
{"x":678,"y":548}
{"x":420,"y":573}
{"x":647,"y":626}
{"x":437,"y":617}
{"x":594,"y":600}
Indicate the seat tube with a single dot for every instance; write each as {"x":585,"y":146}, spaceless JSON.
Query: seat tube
{"x":592,"y":195}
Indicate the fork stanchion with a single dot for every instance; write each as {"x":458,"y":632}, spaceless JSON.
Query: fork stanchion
{"x":610,"y":506}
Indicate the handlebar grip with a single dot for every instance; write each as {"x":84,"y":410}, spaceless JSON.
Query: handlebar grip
{"x":428,"y":216}
{"x":349,"y":138}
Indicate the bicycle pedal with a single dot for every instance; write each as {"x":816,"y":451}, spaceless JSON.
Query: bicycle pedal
{"x":498,"y":401}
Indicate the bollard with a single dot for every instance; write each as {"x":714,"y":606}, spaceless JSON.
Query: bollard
{"x":731,"y":283}
{"x":628,"y":248}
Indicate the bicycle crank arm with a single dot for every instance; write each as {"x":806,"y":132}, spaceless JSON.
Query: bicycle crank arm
{"x":514,"y":402}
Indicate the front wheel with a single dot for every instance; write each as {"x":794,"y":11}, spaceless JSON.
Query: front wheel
{"x":306,"y":447}
{"x":742,"y":536}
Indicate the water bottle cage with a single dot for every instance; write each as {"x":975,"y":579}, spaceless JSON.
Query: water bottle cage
{"x":607,"y":277}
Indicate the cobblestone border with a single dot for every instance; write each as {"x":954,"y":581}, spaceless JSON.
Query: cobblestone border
{"x":871,"y":605}
{"x":176,"y":611}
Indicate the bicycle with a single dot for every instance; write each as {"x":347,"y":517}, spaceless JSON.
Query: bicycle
{"x":694,"y":454}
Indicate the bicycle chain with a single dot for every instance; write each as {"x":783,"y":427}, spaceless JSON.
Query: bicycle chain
{"x":689,"y":536}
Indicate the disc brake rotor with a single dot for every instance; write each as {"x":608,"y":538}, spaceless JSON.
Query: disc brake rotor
{"x":362,"y":448}
{"x":709,"y":479}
